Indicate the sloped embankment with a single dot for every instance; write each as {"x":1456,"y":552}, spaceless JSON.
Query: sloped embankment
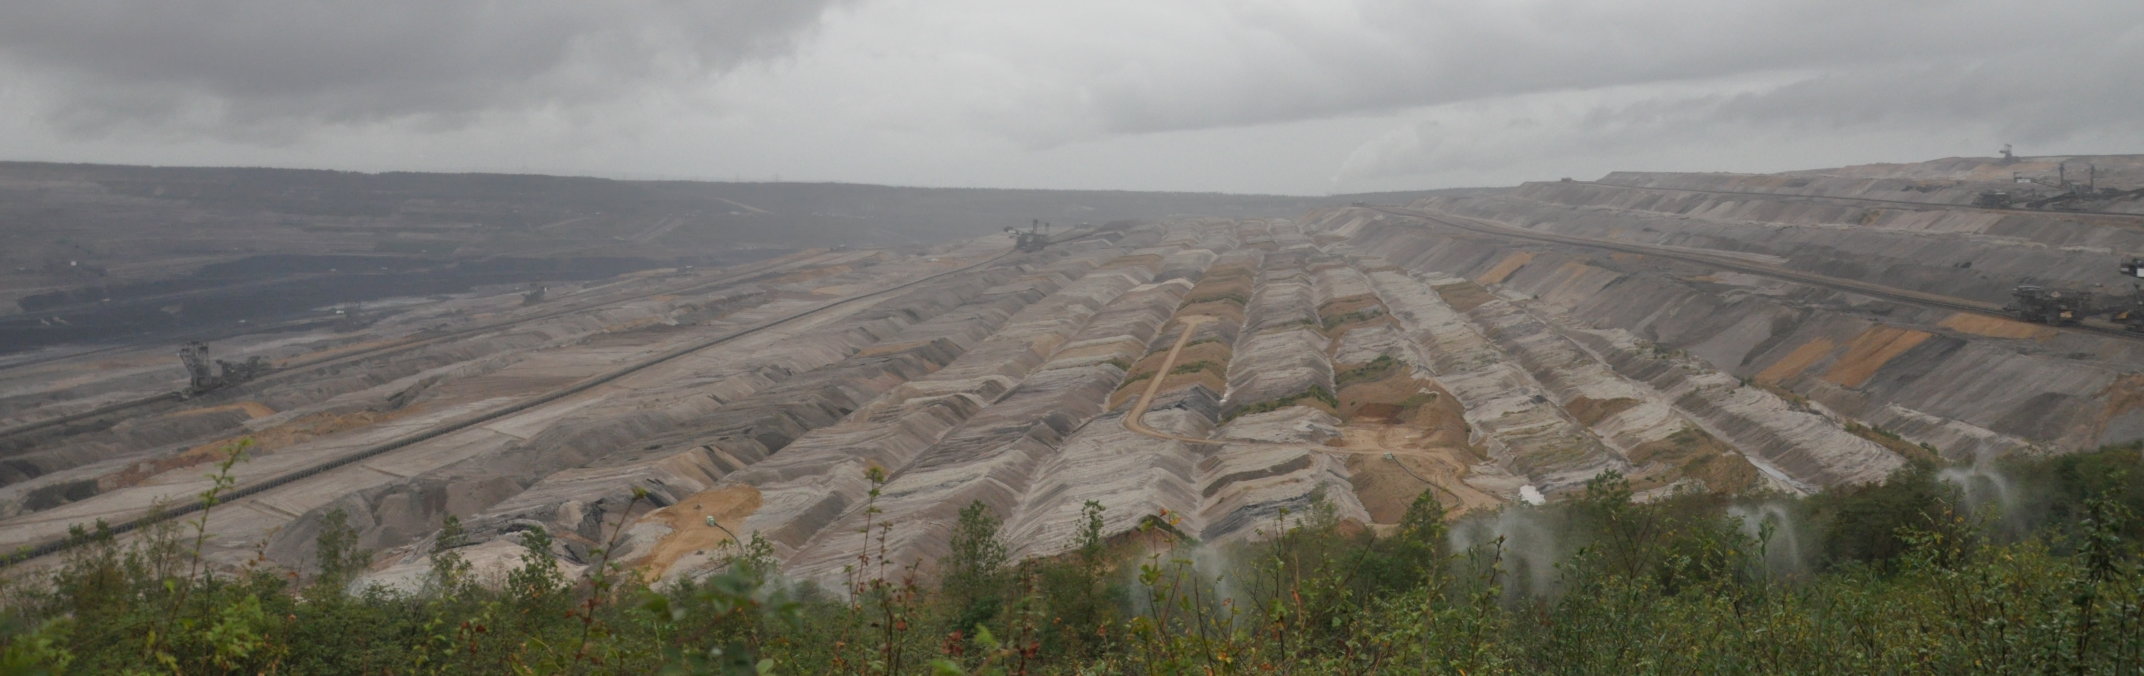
{"x":1962,"y":385}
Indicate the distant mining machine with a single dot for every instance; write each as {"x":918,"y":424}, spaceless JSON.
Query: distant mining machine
{"x":1034,"y":238}
{"x":205,"y":375}
{"x":2042,"y":305}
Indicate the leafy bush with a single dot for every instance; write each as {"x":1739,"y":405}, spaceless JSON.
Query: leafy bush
{"x":1315,"y":393}
{"x":1674,"y":585}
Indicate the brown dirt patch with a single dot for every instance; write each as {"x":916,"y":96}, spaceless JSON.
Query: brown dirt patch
{"x":1869,"y":351}
{"x":1692,"y":453}
{"x":1377,"y":399}
{"x":309,"y":427}
{"x":1386,"y":487}
{"x":1377,"y":413}
{"x":1590,"y":412}
{"x":298,"y":430}
{"x":1401,"y":399}
{"x":202,"y":455}
{"x":1464,"y":296}
{"x":689,"y":532}
{"x":1996,"y":327}
{"x":1504,"y":268}
{"x":1803,"y":356}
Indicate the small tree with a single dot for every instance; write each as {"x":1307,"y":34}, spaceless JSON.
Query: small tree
{"x":974,"y":577}
{"x":338,"y":557}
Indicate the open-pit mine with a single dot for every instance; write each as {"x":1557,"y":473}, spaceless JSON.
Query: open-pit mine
{"x":1199,"y":375}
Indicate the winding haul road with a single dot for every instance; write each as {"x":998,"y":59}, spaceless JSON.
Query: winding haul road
{"x":348,"y":459}
{"x":1728,"y":262}
{"x":1135,"y":420}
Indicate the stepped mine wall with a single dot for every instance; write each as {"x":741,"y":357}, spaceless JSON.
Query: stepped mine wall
{"x":1970,"y":253}
{"x":672,"y":438}
{"x":1928,"y":375}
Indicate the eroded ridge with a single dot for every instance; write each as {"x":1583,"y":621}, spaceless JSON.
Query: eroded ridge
{"x":1201,"y":378}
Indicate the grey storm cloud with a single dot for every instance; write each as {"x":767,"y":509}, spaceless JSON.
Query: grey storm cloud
{"x":1323,"y":94}
{"x":1992,"y":73}
{"x":1388,"y":54}
{"x":302,"y":62}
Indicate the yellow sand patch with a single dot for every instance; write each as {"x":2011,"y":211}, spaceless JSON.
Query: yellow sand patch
{"x":253,"y":409}
{"x":1996,"y":327}
{"x":689,"y":532}
{"x":1870,"y":351}
{"x":1504,"y":268}
{"x":1797,"y":361}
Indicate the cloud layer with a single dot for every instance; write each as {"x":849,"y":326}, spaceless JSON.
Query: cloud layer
{"x":242,"y":67}
{"x":1245,"y":95}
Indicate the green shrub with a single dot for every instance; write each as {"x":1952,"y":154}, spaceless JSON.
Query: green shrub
{"x":1662,"y":586}
{"x":1315,"y":393}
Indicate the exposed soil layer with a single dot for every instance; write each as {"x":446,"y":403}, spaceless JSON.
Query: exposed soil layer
{"x":1361,"y":357}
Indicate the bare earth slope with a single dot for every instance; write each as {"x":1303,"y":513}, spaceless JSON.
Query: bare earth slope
{"x":1695,"y":332}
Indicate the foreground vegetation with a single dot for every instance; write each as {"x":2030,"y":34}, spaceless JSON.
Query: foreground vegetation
{"x":2022,"y":567}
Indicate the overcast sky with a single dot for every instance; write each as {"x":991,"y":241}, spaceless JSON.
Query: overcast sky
{"x":1286,"y":96}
